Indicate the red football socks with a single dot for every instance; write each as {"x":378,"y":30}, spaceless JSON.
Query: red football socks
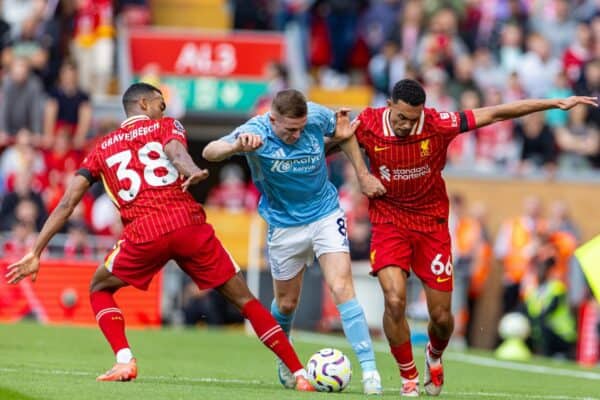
{"x":436,"y":346}
{"x":404,"y":358}
{"x":110,"y":319}
{"x":271,"y":334}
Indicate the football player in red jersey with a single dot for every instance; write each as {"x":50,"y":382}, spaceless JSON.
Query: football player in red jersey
{"x":146,"y":170}
{"x":406,"y":144}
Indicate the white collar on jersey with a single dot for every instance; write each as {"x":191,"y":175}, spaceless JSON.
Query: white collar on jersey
{"x":133,"y":119}
{"x":389,"y":131}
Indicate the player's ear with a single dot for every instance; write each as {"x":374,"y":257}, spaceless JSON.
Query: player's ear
{"x":389,"y":102}
{"x":143,"y":103}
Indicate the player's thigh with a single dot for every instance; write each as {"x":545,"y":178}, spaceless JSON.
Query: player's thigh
{"x":200,"y":254}
{"x":136,"y":263}
{"x":329,"y":235}
{"x":433,"y":259}
{"x":390,"y":247}
{"x":289,"y":251}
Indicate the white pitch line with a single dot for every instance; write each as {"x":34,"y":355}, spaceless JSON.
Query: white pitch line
{"x":256,"y":382}
{"x":320,"y":339}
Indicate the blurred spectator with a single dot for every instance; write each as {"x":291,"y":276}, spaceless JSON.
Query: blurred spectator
{"x":514,"y":248}
{"x":68,"y":109}
{"x":233,"y":193}
{"x":538,"y":149}
{"x":495,"y":146}
{"x":19,"y":240}
{"x":21,"y":104}
{"x":251,"y":14}
{"x":22,"y":158}
{"x":463,"y":78}
{"x":511,"y":47}
{"x":377,"y":23}
{"x":22,"y":204}
{"x":579,"y":141}
{"x":561,"y":89}
{"x":93,"y":44}
{"x":409,"y":28}
{"x":133,"y":12}
{"x":486,"y":71}
{"x":77,"y":244}
{"x":553,"y":326}
{"x":559,"y":28}
{"x":578,"y":53}
{"x":435,"y":83}
{"x":385,"y":69}
{"x":105,"y":217}
{"x":341,"y":19}
{"x":538,"y":68}
{"x":61,"y":163}
{"x":15,"y":12}
{"x":461,"y":151}
{"x":441,"y":45}
{"x":33,"y":44}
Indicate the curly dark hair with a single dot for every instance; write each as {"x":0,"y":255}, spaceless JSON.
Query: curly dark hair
{"x":409,"y":91}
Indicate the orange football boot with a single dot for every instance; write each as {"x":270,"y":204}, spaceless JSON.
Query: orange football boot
{"x":120,"y":372}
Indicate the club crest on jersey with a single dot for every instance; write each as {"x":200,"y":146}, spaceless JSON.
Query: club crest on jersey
{"x":425,"y":148}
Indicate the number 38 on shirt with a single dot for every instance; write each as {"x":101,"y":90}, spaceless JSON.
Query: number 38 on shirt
{"x":158,"y":170}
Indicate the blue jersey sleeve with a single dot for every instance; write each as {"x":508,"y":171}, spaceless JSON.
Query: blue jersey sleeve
{"x":323,"y":117}
{"x":254,"y":125}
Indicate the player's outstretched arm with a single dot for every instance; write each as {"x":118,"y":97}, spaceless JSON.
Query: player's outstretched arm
{"x":181,"y":159}
{"x":488,"y":115}
{"x":219,"y":150}
{"x":29,"y":264}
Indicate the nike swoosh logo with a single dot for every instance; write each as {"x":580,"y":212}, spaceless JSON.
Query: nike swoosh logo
{"x":377,"y":148}
{"x":442,"y":280}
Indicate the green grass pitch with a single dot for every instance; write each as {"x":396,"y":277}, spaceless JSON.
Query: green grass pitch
{"x":59,"y":362}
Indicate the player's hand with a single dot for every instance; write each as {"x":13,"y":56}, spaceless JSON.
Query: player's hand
{"x":247,"y":142}
{"x":28,"y":265}
{"x":570,"y":102}
{"x":194,"y":179}
{"x":370,"y":186}
{"x":343,"y":127}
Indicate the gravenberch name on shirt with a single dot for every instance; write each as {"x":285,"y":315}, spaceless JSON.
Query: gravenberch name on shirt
{"x":131,"y":135}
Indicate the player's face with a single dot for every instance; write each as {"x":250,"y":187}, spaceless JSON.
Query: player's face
{"x":154,"y":105}
{"x":288,"y":129}
{"x":403,"y":117}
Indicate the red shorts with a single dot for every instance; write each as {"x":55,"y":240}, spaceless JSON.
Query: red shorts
{"x":428,"y":254}
{"x":195,"y":248}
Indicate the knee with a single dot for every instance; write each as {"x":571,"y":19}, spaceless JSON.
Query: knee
{"x":287,"y":305}
{"x":442,"y":317}
{"x":342,"y":290}
{"x":395,"y":306}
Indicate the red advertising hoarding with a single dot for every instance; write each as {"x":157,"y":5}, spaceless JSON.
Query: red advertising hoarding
{"x":198,"y":54}
{"x":60,"y":295}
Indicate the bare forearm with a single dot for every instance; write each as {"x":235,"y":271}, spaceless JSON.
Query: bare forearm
{"x":488,"y":115}
{"x":180,"y":158}
{"x":53,"y":224}
{"x":352,"y":150}
{"x":219,"y":150}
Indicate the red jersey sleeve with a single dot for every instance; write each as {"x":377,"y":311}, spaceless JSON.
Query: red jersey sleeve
{"x":172,"y":129}
{"x":364,"y":119}
{"x":452,"y":123}
{"x":90,"y":168}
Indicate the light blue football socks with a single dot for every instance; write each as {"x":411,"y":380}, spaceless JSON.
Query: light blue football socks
{"x":356,"y":330}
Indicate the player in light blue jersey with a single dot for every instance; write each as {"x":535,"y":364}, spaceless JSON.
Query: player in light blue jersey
{"x":285,"y":149}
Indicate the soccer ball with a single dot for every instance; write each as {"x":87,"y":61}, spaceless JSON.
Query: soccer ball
{"x":329,"y":370}
{"x":514,"y":325}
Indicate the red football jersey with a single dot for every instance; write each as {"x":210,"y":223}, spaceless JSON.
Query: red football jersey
{"x":140,"y":179}
{"x":410,"y":167}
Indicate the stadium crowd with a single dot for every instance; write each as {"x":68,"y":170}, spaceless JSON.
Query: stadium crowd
{"x":58,"y":55}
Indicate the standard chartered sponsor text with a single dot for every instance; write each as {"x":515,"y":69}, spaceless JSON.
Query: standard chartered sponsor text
{"x":406,"y":174}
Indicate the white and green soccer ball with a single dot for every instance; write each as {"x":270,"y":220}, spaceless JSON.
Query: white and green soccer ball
{"x":329,"y":370}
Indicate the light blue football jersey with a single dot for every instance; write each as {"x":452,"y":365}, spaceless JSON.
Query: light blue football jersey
{"x":292,"y":179}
